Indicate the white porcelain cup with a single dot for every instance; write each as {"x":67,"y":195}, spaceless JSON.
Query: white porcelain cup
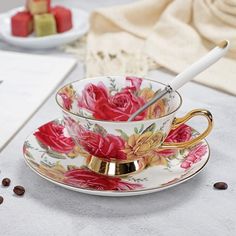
{"x":118,"y":147}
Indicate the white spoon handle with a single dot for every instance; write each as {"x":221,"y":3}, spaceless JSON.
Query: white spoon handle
{"x":196,"y":68}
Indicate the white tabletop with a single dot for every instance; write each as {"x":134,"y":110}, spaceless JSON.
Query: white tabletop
{"x":192,"y":208}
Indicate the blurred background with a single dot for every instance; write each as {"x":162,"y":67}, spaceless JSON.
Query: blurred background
{"x":7,"y":5}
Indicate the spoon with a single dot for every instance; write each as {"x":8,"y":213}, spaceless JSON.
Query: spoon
{"x":181,"y":79}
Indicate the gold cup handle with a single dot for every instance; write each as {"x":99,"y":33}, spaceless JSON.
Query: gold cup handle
{"x":178,"y":121}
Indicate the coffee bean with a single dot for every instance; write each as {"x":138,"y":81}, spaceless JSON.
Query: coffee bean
{"x":6,"y":182}
{"x":19,"y":190}
{"x":1,"y":200}
{"x":221,"y":185}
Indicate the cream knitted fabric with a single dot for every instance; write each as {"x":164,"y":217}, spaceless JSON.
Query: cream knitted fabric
{"x":134,"y":38}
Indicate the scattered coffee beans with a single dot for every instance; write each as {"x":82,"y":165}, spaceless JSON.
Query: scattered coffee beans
{"x":19,"y":190}
{"x":221,"y":185}
{"x":1,"y":200}
{"x":6,"y":182}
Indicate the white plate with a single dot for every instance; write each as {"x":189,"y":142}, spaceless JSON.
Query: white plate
{"x":69,"y":171}
{"x":80,"y":27}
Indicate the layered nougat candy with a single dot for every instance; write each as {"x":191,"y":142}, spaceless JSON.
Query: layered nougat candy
{"x":38,"y":6}
{"x":63,"y":18}
{"x":22,"y":24}
{"x":44,"y":25}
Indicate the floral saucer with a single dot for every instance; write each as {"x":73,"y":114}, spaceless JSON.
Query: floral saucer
{"x":52,"y":154}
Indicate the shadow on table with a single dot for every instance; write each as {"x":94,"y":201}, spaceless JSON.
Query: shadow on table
{"x":60,"y":199}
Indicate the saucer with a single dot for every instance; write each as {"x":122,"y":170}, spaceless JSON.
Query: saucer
{"x":80,"y":27}
{"x":51,"y":153}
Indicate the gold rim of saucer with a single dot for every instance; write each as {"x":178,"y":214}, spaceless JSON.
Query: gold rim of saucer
{"x":109,"y":168}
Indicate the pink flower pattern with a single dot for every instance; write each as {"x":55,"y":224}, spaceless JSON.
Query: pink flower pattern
{"x":194,"y":155}
{"x":91,"y":95}
{"x":135,"y":83}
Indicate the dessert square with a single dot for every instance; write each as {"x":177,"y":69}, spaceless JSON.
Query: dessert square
{"x":38,"y":6}
{"x":44,"y":25}
{"x":48,"y":4}
{"x":22,"y":24}
{"x":63,"y":18}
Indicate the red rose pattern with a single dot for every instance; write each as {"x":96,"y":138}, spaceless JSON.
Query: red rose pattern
{"x":91,"y":95}
{"x":107,"y":147}
{"x":85,"y":178}
{"x":52,"y":136}
{"x":181,"y":134}
{"x":118,"y":107}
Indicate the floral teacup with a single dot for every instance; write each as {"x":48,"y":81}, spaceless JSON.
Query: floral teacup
{"x":96,"y":110}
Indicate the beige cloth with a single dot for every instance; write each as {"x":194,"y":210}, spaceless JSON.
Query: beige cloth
{"x":134,"y":38}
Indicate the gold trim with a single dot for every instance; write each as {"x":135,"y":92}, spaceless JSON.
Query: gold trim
{"x":109,"y":168}
{"x":120,"y":122}
{"x":223,"y":44}
{"x":178,"y":121}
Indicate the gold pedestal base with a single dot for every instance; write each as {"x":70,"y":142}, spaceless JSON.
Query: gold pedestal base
{"x":115,"y":168}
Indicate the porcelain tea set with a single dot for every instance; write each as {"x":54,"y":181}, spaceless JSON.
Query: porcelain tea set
{"x":119,"y":135}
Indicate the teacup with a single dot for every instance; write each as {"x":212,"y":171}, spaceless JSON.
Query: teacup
{"x":96,"y":110}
